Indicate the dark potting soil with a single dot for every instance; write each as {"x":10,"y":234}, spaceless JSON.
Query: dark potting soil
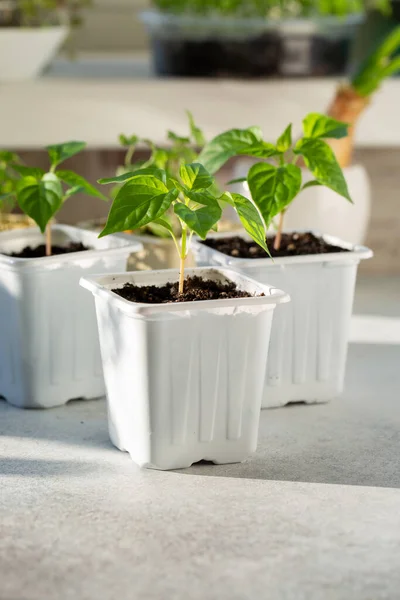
{"x":40,"y":251}
{"x":292,"y":244}
{"x":195,"y":289}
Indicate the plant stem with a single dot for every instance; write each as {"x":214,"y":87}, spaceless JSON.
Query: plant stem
{"x":129,"y":155}
{"x":278,"y":237}
{"x":48,"y":239}
{"x":183,"y":258}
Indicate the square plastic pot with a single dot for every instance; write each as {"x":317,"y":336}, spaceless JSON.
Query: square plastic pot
{"x":49,"y":351}
{"x":184,"y":381}
{"x":309,"y":337}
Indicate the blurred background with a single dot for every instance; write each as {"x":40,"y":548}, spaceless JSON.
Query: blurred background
{"x":93,"y":69}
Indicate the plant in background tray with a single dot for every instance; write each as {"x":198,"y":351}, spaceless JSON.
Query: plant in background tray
{"x":40,"y":194}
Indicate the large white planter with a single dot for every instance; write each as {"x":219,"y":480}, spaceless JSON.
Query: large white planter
{"x":309,"y":336}
{"x":184,"y":381}
{"x":24,"y":52}
{"x":321,"y":209}
{"x":49,"y":349}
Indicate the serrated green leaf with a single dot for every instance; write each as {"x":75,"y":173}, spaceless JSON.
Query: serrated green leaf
{"x":60,"y":152}
{"x":202,"y":220}
{"x":285,"y":141}
{"x":158,"y":173}
{"x":242,"y":142}
{"x":320,"y":126}
{"x":309,"y":184}
{"x":273,"y":188}
{"x":321,"y":161}
{"x":195,"y":177}
{"x":74,"y":180}
{"x":250,"y":219}
{"x":139,"y":202}
{"x":40,"y":200}
{"x":28,"y":171}
{"x":195,"y":131}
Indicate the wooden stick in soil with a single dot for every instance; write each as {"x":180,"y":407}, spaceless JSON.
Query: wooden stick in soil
{"x":278,"y":237}
{"x":48,"y":239}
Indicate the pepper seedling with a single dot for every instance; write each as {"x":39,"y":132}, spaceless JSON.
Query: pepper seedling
{"x":180,"y":150}
{"x":41,"y":194}
{"x":149,"y":194}
{"x":274,"y":186}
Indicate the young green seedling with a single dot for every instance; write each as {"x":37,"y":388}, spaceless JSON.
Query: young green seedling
{"x":275,"y":184}
{"x":41,"y":194}
{"x":180,"y":150}
{"x":149,"y":193}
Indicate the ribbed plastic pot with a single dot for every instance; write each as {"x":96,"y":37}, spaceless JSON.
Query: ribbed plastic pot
{"x":184,"y":380}
{"x":309,"y":337}
{"x":49,"y":350}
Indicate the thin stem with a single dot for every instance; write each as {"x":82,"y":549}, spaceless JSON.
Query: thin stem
{"x":129,"y":155}
{"x":48,"y":239}
{"x":278,"y":237}
{"x":183,"y":258}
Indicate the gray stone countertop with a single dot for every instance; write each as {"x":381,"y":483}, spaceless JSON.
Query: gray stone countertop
{"x":313,"y":515}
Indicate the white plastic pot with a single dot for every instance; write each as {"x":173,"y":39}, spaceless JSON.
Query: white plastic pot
{"x":184,"y":381}
{"x":24,"y":52}
{"x":49,"y":349}
{"x":321,"y":209}
{"x":309,"y":338}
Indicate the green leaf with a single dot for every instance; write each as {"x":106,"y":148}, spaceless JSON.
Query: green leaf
{"x":177,"y":139}
{"x":159,"y":158}
{"x":273,"y":188}
{"x":158,"y":228}
{"x":29,"y":171}
{"x":309,"y":184}
{"x":163,"y":222}
{"x":139,"y":202}
{"x":321,"y":161}
{"x":203,"y":197}
{"x":60,"y":152}
{"x":243,"y":142}
{"x":250,"y":218}
{"x":158,"y":173}
{"x":72,"y":191}
{"x":195,"y":131}
{"x":320,"y":126}
{"x":195,"y":177}
{"x":238,"y":180}
{"x":200,"y":221}
{"x":285,"y":141}
{"x":40,"y":200}
{"x":128,"y":140}
{"x":8,"y":157}
{"x":74,"y":180}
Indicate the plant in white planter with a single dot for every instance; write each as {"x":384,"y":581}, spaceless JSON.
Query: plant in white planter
{"x":318,"y":207}
{"x":49,"y":352}
{"x":31,"y":32}
{"x":309,"y":338}
{"x":183,"y":358}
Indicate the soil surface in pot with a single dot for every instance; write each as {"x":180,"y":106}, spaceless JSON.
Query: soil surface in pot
{"x":195,"y":289}
{"x":40,"y":251}
{"x":293,"y":244}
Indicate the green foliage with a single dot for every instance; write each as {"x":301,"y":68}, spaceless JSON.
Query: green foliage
{"x":270,"y":8}
{"x":275,"y":184}
{"x":383,"y":62}
{"x":41,"y":194}
{"x":146,"y":199}
{"x":164,"y":163}
{"x":36,"y":13}
{"x":8,"y":180}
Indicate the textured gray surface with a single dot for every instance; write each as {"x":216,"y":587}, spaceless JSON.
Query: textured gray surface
{"x":80,"y":521}
{"x":313,"y":515}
